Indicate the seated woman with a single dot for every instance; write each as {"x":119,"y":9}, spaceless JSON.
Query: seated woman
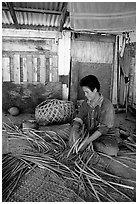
{"x":97,"y":114}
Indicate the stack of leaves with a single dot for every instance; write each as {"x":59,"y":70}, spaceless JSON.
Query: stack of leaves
{"x":89,"y":174}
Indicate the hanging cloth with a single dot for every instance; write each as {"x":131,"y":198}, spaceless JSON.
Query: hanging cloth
{"x":125,"y":62}
{"x":105,"y":17}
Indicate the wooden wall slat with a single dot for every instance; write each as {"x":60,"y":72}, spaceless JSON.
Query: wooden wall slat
{"x":42,"y":69}
{"x":47,"y":69}
{"x":16,"y":62}
{"x":93,"y":52}
{"x":38,"y":69}
{"x":24,"y":69}
{"x":28,"y":63}
{"x":32,"y":59}
{"x":54,"y":74}
{"x":27,"y":45}
{"x":55,"y":61}
{"x":34,"y":69}
{"x":21,"y":69}
{"x":6,"y":69}
{"x":29,"y":34}
{"x":55,"y":77}
{"x":29,"y":68}
{"x":11,"y":69}
{"x":50,"y":73}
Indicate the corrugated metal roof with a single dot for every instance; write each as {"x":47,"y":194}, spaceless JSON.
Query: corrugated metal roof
{"x":35,"y":18}
{"x":52,"y":6}
{"x":6,"y":17}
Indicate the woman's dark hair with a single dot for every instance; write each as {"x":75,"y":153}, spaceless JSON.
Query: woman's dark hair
{"x":91,"y":82}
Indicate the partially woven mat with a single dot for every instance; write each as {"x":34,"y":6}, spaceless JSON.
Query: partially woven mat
{"x":43,"y":186}
{"x":40,"y":185}
{"x":20,"y":146}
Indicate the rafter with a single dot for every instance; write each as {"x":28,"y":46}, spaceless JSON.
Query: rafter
{"x":18,"y":9}
{"x":9,"y":6}
{"x":64,"y":15}
{"x":13,"y":14}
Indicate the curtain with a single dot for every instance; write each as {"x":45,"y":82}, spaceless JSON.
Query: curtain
{"x":104,"y":17}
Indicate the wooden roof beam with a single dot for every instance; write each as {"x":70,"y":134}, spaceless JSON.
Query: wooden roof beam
{"x":63,"y":17}
{"x":13,"y":14}
{"x":18,"y":9}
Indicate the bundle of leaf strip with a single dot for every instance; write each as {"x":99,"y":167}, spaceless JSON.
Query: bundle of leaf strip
{"x":54,"y":111}
{"x":83,"y":135}
{"x":82,"y":172}
{"x":36,"y":185}
{"x":32,"y":140}
{"x":12,"y":171}
{"x":114,"y":171}
{"x":17,"y":141}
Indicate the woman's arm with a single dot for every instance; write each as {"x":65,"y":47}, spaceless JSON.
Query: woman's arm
{"x":77,"y":124}
{"x":93,"y":137}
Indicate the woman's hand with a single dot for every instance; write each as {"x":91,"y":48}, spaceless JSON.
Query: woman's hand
{"x":71,"y":138}
{"x":74,"y":135}
{"x":88,"y":140}
{"x":83,"y":145}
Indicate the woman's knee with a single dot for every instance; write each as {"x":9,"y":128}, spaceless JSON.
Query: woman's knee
{"x":106,"y":148}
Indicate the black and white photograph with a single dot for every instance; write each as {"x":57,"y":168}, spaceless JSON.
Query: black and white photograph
{"x":68,"y":83}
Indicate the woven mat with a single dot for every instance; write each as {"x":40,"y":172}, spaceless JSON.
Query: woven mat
{"x":40,"y":185}
{"x":43,"y":186}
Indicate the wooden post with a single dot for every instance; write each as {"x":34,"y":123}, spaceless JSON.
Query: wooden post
{"x":74,"y":82}
{"x":114,"y":95}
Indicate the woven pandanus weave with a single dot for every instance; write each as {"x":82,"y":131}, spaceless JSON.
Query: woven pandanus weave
{"x":41,"y":185}
{"x":54,"y":111}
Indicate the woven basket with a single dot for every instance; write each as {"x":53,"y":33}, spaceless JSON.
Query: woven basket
{"x":54,"y":111}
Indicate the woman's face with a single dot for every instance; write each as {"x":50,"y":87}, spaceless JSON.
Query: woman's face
{"x":90,"y":95}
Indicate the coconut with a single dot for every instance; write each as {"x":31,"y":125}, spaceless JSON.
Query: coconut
{"x":14,"y":111}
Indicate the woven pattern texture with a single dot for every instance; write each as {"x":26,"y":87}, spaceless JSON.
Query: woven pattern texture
{"x":43,"y":186}
{"x":54,"y":111}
